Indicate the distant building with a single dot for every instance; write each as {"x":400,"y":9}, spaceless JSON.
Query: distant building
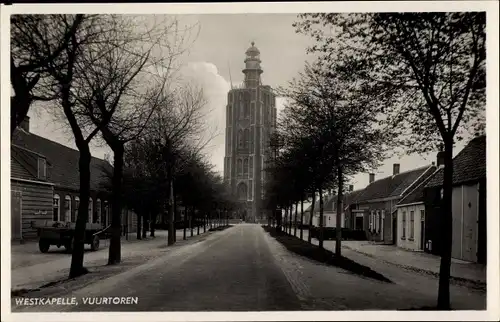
{"x":250,"y":121}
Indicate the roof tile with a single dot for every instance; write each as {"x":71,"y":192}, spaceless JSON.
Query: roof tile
{"x":62,"y":161}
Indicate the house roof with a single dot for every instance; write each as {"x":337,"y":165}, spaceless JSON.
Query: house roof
{"x":392,"y":186}
{"x":27,"y":160}
{"x":330,"y":202}
{"x":417,"y":194}
{"x":62,"y":161}
{"x":468,"y":165}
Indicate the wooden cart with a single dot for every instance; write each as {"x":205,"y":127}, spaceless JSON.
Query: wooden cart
{"x":62,"y":234}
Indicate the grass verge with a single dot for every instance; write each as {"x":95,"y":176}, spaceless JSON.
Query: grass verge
{"x":220,"y":228}
{"x":313,"y":252}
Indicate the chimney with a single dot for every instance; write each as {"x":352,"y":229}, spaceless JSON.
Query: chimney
{"x":440,"y":159}
{"x":395,"y":169}
{"x":25,"y":124}
{"x":351,"y":188}
{"x":372,"y":177}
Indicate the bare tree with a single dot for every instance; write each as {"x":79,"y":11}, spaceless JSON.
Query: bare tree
{"x":173,"y":126}
{"x":37,"y":42}
{"x":124,"y":79}
{"x":62,"y":79}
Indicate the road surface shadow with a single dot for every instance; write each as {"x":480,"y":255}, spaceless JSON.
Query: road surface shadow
{"x":325,"y":256}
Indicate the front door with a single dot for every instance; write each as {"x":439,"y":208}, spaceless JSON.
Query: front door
{"x":359,"y":222}
{"x":16,"y":215}
{"x":422,"y":234}
{"x":394,"y":229}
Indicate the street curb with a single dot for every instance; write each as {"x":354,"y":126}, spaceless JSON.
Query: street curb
{"x":475,"y":284}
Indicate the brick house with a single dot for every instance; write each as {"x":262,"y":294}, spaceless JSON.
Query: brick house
{"x":377,"y":202}
{"x":468,"y":205}
{"x":60,"y":171}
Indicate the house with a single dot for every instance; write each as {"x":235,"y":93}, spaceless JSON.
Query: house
{"x":31,"y":193}
{"x":329,"y":212}
{"x":410,"y":214}
{"x":353,"y":218}
{"x":468,"y":205}
{"x":377,"y":202}
{"x":45,"y":163}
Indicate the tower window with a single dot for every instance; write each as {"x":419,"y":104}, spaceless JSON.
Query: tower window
{"x":245,"y":166}
{"x":240,"y":166}
{"x":246,"y":138}
{"x":240,"y":138}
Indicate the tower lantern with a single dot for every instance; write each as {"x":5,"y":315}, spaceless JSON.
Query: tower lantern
{"x":252,"y":69}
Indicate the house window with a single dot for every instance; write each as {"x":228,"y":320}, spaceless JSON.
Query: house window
{"x":42,"y":168}
{"x":371,"y":220}
{"x":250,"y":192}
{"x":377,"y":222}
{"x":67,"y":209}
{"x":56,"y":208}
{"x":382,"y":218}
{"x":422,"y":215}
{"x":412,"y":224}
{"x":404,"y":225}
{"x":91,"y":208}
{"x":107,"y":220}
{"x":97,"y":218}
{"x":77,"y":206}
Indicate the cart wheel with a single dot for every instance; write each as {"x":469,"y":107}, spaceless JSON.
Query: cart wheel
{"x":69,"y":245}
{"x":95,"y":243}
{"x":43,"y":245}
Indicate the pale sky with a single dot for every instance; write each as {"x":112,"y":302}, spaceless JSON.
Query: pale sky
{"x":222,"y":42}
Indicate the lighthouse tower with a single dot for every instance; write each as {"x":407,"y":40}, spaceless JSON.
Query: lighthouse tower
{"x":250,"y":121}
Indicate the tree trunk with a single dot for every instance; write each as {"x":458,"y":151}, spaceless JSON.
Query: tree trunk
{"x":311,"y":214}
{"x":22,"y":99}
{"x":175,"y":215}
{"x":171,"y":228}
{"x":139,"y":227}
{"x":198,"y":226}
{"x":77,"y":268}
{"x":145,"y":227}
{"x":295,"y":220}
{"x":191,"y":223}
{"x":302,"y":219}
{"x":446,"y":229}
{"x":338,"y":220}
{"x":205,"y":224}
{"x":286,"y":220}
{"x":152,"y":223}
{"x":321,"y":223}
{"x":116,"y":206}
{"x":184,"y":228}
